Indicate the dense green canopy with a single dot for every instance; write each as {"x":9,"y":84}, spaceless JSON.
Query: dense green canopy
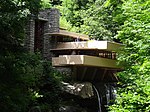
{"x":134,"y":96}
{"x":125,"y":21}
{"x":23,"y":75}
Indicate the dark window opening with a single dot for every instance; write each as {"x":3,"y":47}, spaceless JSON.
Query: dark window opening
{"x":39,"y":32}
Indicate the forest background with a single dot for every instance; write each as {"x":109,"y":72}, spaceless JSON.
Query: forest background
{"x":24,"y":75}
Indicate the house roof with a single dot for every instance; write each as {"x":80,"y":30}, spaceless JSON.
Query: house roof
{"x":71,"y":34}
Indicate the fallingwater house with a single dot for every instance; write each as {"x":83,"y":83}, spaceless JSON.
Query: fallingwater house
{"x":91,"y":64}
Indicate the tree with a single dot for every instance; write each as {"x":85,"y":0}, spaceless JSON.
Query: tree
{"x":13,"y":15}
{"x":99,"y":19}
{"x":21,"y":72}
{"x":95,"y":18}
{"x":133,"y":96}
{"x":17,"y":68}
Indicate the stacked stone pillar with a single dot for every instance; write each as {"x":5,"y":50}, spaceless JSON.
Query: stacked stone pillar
{"x":29,"y":40}
{"x":51,"y":25}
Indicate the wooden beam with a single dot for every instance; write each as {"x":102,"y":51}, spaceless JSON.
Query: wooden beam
{"x":94,"y":74}
{"x":116,"y":77}
{"x":113,"y":75}
{"x":74,"y":72}
{"x":105,"y":70}
{"x":83,"y":73}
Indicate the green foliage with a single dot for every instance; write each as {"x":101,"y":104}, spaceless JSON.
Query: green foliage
{"x":19,"y":73}
{"x":70,"y":10}
{"x":50,"y":3}
{"x":22,"y":74}
{"x":13,"y":14}
{"x":99,"y":19}
{"x":64,"y":23}
{"x":96,"y":18}
{"x":45,"y":4}
{"x":26,"y":80}
{"x":50,"y":88}
{"x":134,"y":96}
{"x":56,"y":2}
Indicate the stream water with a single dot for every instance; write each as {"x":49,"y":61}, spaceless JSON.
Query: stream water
{"x":99,"y":100}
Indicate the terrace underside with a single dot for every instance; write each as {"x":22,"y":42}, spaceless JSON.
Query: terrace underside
{"x":88,"y":68}
{"x":92,"y":74}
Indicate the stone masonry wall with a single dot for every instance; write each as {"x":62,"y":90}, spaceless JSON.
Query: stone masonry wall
{"x":51,"y":18}
{"x":29,"y":40}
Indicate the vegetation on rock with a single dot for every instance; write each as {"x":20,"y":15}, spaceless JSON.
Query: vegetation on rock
{"x":28,"y":80}
{"x":123,"y":21}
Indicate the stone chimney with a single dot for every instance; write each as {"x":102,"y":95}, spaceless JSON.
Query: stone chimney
{"x":50,"y":27}
{"x":50,"y":20}
{"x":29,"y":39}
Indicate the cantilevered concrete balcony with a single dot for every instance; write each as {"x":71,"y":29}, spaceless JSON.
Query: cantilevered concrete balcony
{"x":89,"y":60}
{"x":103,"y":49}
{"x":84,"y":60}
{"x":92,"y":44}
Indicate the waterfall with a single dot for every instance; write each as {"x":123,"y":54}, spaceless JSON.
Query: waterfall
{"x":99,"y":100}
{"x":107,"y":94}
